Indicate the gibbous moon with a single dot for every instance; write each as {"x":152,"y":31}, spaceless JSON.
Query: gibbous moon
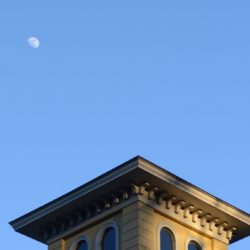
{"x":33,"y":42}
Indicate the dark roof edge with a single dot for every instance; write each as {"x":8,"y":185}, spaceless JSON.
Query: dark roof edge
{"x":199,"y":190}
{"x":195,"y":187}
{"x":61,"y":199}
{"x":101,"y":180}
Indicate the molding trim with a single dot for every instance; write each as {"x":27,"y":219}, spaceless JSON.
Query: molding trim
{"x":93,"y":209}
{"x":182,"y":211}
{"x":100,"y":217}
{"x":202,"y":211}
{"x":75,"y":194}
{"x":193,"y":190}
{"x":168,"y":204}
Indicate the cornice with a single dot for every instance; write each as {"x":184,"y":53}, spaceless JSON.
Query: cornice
{"x":97,"y":209}
{"x":160,"y":189}
{"x":168,"y":204}
{"x":185,"y":213}
{"x":193,"y":190}
{"x":73,"y":195}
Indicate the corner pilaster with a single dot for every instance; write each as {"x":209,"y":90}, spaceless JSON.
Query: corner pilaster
{"x":57,"y":245}
{"x":218,"y":245}
{"x":137,"y":227}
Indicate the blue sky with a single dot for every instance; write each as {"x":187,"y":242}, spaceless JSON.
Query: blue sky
{"x":168,"y":80}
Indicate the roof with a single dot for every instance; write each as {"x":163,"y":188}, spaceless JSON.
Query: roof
{"x":85,"y":201}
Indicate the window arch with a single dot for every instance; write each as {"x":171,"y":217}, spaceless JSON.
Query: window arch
{"x":171,"y":229}
{"x":193,"y":246}
{"x":166,"y":239}
{"x":108,"y":240}
{"x":107,"y":236}
{"x":82,"y":245}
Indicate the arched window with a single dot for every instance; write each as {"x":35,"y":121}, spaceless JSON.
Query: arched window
{"x":166,"y":239}
{"x":108,"y":240}
{"x":193,"y":246}
{"x":82,"y":245}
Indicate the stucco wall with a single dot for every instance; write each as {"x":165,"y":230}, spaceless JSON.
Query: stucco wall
{"x":139,"y":227}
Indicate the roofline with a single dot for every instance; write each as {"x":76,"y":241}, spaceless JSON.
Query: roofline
{"x":115,"y":173}
{"x":197,"y":189}
{"x":73,"y":194}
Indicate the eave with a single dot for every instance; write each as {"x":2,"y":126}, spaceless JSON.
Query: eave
{"x":78,"y":206}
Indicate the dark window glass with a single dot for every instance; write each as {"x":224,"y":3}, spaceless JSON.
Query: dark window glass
{"x":166,"y":239}
{"x":82,"y":245}
{"x":108,"y":242}
{"x":193,"y":246}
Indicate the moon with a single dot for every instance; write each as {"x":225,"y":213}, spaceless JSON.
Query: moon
{"x":33,"y":42}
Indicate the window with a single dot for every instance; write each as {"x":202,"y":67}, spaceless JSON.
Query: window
{"x":166,"y":239}
{"x":193,"y":246}
{"x":82,"y":245}
{"x":107,"y":236}
{"x":109,"y":241}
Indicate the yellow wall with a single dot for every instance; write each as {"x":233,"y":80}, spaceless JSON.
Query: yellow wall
{"x":91,"y":232}
{"x":139,"y":228}
{"x":182,"y":234}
